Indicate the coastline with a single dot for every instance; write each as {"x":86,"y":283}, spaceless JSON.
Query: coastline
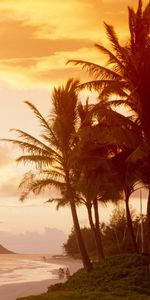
{"x":17,"y":290}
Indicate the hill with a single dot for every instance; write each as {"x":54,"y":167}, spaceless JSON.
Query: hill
{"x":121,"y":277}
{"x":3,"y":250}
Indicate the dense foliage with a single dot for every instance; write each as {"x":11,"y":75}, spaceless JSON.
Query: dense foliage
{"x":122,"y":277}
{"x":115,"y":236}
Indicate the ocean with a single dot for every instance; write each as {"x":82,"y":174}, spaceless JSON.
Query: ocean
{"x":19,"y":268}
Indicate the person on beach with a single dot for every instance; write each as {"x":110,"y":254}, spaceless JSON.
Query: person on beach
{"x":61,"y":273}
{"x":67,"y":273}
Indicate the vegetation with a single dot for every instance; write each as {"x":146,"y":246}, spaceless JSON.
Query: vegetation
{"x":121,"y":277}
{"x":92,"y":154}
{"x":51,"y":155}
{"x":115,"y":236}
{"x":126,"y":76}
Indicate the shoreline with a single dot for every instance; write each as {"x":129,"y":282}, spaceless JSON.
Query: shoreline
{"x":12,"y":291}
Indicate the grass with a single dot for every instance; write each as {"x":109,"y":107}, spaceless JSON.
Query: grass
{"x":124,"y":277}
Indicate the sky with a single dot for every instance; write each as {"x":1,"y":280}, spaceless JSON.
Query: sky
{"x":37,"y":38}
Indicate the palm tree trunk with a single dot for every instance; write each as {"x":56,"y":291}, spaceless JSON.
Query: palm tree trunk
{"x":95,"y":233}
{"x":97,"y":229}
{"x":130,"y":224}
{"x":148,"y":221}
{"x":85,"y":258}
{"x":84,"y":255}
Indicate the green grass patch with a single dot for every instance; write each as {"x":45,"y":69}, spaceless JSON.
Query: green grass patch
{"x":124,"y":277}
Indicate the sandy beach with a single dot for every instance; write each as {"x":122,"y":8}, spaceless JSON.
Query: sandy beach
{"x":17,"y":290}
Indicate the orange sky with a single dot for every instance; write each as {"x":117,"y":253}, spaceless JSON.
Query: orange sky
{"x":37,"y":38}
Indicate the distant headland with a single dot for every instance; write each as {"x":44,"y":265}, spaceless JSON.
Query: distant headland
{"x":3,"y":250}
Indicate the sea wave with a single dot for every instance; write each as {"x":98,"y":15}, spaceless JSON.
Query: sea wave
{"x":18,"y":268}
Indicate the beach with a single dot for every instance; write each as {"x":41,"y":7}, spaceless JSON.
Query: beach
{"x":17,"y":288}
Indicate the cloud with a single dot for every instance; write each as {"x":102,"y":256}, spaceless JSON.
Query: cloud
{"x":47,"y":70}
{"x":60,"y":76}
{"x":9,"y":188}
{"x":9,"y":181}
{"x":50,"y":241}
{"x":19,"y":40}
{"x":33,"y":44}
{"x":5,"y":156}
{"x":28,"y":46}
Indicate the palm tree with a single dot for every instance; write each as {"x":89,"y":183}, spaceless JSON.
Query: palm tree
{"x":107,"y":138}
{"x":128,"y":71}
{"x":51,"y":155}
{"x":97,"y":186}
{"x":129,"y":67}
{"x":125,"y":181}
{"x":88,"y":189}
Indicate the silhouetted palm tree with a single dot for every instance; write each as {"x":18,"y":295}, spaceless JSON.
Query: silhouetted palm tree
{"x":51,"y":155}
{"x":129,"y":67}
{"x":109,"y":137}
{"x":88,"y":190}
{"x":128,"y":71}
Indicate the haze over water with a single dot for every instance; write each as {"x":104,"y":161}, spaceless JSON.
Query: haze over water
{"x":26,"y":268}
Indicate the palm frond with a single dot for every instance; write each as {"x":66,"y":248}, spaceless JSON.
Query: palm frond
{"x":103,"y":110}
{"x":146,"y":19}
{"x":43,"y":121}
{"x":112,"y":58}
{"x":28,"y":147}
{"x":34,"y":146}
{"x":65,"y":113}
{"x":114,"y":41}
{"x":101,"y":85}
{"x":30,"y":139}
{"x":139,"y":10}
{"x":51,"y":141}
{"x":132,"y":20}
{"x":71,"y":85}
{"x":115,"y":88}
{"x":118,"y":102}
{"x":97,"y":71}
{"x":36,"y":186}
{"x":54,"y":174}
{"x":38,"y":160}
{"x":60,"y":202}
{"x":83,"y":111}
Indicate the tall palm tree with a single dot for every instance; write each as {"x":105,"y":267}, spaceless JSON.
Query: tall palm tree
{"x":125,"y":181}
{"x":95,"y":186}
{"x":110,"y":137}
{"x":51,"y":154}
{"x":88,"y":189}
{"x":128,"y":71}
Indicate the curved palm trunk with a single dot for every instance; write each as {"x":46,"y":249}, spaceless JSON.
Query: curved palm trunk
{"x":148,"y":221}
{"x":84,"y":255}
{"x":85,"y":258}
{"x":130,"y":224}
{"x":97,"y":238}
